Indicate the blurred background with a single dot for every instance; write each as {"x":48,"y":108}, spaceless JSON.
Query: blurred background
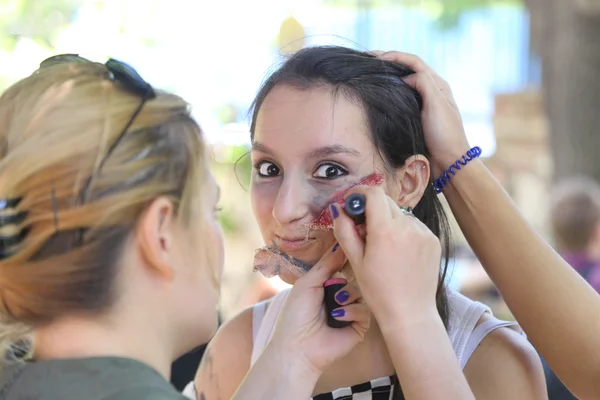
{"x":526,"y":76}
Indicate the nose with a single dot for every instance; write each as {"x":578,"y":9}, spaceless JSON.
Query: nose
{"x":292,"y":203}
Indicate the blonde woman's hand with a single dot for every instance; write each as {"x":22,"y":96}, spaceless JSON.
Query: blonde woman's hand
{"x":301,"y":331}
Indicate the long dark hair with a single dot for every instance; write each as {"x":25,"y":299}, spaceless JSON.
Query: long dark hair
{"x":393,"y":112}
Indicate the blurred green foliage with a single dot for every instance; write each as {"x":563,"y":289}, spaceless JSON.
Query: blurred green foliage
{"x":40,"y":20}
{"x":447,"y":13}
{"x":228,"y":221}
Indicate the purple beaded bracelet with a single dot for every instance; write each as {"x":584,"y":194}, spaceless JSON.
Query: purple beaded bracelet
{"x":439,"y":183}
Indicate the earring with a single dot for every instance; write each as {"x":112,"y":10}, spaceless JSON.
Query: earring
{"x":406,"y":210}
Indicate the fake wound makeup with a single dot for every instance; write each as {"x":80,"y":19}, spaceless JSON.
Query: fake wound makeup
{"x":271,"y":260}
{"x":324,"y":221}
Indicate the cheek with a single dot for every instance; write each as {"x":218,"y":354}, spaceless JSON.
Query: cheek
{"x":263,"y":198}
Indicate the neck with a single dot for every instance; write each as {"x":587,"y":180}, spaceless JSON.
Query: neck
{"x":81,"y":337}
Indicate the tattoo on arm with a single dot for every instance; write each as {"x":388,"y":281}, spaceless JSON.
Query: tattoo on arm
{"x":209,"y":371}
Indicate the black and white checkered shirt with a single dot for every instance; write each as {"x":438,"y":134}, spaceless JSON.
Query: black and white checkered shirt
{"x":377,"y":389}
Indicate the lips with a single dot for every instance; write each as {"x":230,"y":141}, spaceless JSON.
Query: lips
{"x":289,"y":244}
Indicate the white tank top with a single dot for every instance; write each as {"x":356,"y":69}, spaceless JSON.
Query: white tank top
{"x":465,"y":335}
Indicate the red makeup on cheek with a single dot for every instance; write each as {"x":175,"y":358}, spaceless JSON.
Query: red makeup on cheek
{"x":325,"y":221}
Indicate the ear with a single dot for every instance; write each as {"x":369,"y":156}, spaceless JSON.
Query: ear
{"x":413,"y":178}
{"x":155,"y":237}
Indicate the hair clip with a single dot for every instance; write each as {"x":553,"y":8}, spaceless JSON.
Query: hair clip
{"x":12,"y":219}
{"x":4,"y":254}
{"x":12,"y":240}
{"x":9,"y":203}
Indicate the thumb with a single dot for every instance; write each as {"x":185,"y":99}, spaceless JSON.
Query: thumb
{"x":347,"y":236}
{"x":331,"y":262}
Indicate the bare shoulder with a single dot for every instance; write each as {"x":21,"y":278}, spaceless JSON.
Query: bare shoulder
{"x":505,"y":366}
{"x":227,"y":358}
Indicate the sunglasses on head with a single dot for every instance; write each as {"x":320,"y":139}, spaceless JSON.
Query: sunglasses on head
{"x":118,"y":72}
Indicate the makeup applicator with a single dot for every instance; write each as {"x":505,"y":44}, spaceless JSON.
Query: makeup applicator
{"x":355,"y":208}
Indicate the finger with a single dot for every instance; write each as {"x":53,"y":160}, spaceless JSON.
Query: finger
{"x":395,"y":210}
{"x":357,"y":312}
{"x":348,"y":294}
{"x":415,"y":63}
{"x":376,"y":53}
{"x":378,"y":211}
{"x":423,"y":83}
{"x":347,"y":236}
{"x":410,"y":60}
{"x":331,"y":262}
{"x":418,"y":65}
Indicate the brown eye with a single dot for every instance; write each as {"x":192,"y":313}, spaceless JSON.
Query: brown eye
{"x":329,"y":171}
{"x":267,"y":169}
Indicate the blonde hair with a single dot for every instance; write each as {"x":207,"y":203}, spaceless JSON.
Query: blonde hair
{"x":55,"y":129}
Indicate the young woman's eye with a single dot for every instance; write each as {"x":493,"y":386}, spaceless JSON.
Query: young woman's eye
{"x":329,"y":171}
{"x":267,"y":169}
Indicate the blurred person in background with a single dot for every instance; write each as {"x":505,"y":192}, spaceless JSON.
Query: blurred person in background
{"x":575,"y":221}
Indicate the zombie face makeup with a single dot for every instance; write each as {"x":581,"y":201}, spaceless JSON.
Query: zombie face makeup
{"x":309,"y":148}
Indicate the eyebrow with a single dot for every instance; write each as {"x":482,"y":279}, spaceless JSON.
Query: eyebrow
{"x":320,"y":152}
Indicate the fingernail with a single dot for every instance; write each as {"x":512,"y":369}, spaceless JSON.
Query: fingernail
{"x":342,"y":297}
{"x":334,"y":211}
{"x":338,"y":313}
{"x":337,"y":246}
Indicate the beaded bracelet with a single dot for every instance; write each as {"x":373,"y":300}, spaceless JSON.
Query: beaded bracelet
{"x":439,"y":183}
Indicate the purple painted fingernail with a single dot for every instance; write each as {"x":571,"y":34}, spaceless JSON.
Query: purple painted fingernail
{"x":342,"y":297}
{"x":337,"y":246}
{"x":334,"y":211}
{"x":338,"y":313}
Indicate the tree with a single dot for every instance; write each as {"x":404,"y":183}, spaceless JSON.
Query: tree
{"x":566,"y":35}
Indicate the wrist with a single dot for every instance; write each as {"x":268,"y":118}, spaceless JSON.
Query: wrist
{"x":455,"y":168}
{"x":409,"y":325}
{"x":467,"y":177}
{"x":441,"y":162}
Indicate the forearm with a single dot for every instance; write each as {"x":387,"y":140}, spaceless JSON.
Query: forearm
{"x":424,"y":360}
{"x":277,"y":375}
{"x":557,"y":309}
